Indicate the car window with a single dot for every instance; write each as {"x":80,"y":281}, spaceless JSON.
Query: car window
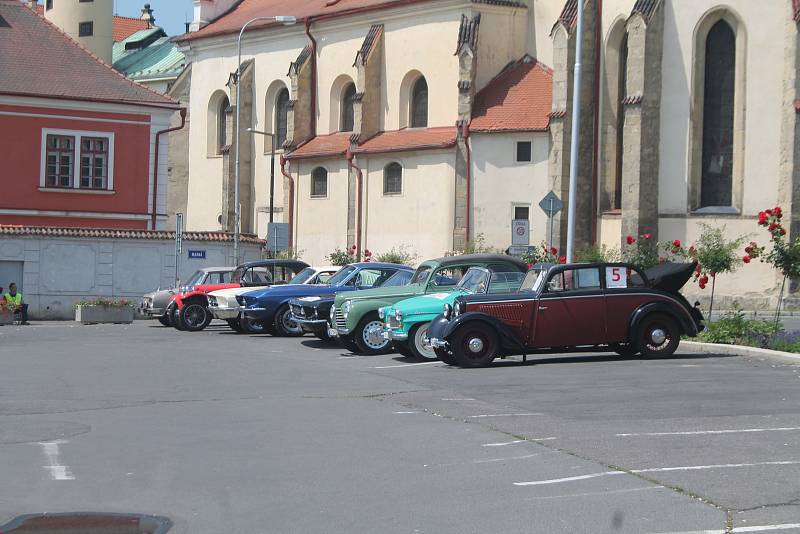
{"x":218,"y":278}
{"x":196,"y":279}
{"x":303,"y":276}
{"x":367,"y":277}
{"x":506,"y":282}
{"x":534,"y":279}
{"x":341,"y":275}
{"x":324,"y":276}
{"x":421,"y":276}
{"x":257,"y":276}
{"x":574,"y":279}
{"x":448,"y":277}
{"x":399,"y":278}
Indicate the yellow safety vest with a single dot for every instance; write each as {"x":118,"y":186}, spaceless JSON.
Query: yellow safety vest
{"x":16,"y":299}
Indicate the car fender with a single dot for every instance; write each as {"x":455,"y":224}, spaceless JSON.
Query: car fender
{"x":360,"y":308}
{"x":683,"y":318}
{"x":508,"y":338}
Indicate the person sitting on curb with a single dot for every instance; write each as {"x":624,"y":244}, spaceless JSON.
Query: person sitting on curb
{"x":14,"y":301}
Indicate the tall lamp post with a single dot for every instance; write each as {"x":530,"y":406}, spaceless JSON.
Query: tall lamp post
{"x":271,"y":170}
{"x":286,"y":20}
{"x":576,"y":124}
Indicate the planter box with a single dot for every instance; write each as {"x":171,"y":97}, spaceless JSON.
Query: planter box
{"x":103,"y":314}
{"x":6,"y":317}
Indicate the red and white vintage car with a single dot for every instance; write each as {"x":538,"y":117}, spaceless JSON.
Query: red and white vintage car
{"x":568,"y":308}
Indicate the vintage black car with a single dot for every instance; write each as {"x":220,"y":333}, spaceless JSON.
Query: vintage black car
{"x":573,"y":307}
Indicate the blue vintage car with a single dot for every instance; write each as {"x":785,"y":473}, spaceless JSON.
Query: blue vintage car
{"x":270,"y":305}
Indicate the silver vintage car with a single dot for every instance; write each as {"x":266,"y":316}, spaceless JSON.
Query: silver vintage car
{"x":155,"y":304}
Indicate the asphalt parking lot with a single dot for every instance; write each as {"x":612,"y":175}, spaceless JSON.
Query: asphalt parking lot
{"x":252,"y":434}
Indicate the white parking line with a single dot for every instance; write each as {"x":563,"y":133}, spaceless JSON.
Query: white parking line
{"x":504,"y":443}
{"x":652,"y":470}
{"x":593,"y":493}
{"x":406,"y":365}
{"x":51,"y":452}
{"x":465,"y":399}
{"x":736,"y":530}
{"x":396,"y":413}
{"x":703,"y":432}
{"x":502,"y":415}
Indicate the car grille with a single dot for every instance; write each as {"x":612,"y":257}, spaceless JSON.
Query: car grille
{"x":339,"y":320}
{"x":393,"y":322}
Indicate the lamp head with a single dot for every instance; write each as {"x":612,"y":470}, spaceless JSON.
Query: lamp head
{"x":286,"y":20}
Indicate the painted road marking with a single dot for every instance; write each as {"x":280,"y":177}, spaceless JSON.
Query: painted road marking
{"x":465,"y":399}
{"x":51,"y":452}
{"x":502,"y":415}
{"x":651,"y":470}
{"x":593,"y":493}
{"x":529,"y":440}
{"x":736,"y":530}
{"x":406,"y":365}
{"x":396,"y":413}
{"x":490,"y":460}
{"x":702,"y":432}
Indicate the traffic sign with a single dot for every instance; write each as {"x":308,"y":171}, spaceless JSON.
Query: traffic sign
{"x":520,"y":232}
{"x":551,"y":204}
{"x":277,"y":237}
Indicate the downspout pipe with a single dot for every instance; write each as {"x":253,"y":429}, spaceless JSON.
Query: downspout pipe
{"x":154,"y":214}
{"x":313,"y":42}
{"x":359,"y":189}
{"x":468,"y":154}
{"x":289,"y":177}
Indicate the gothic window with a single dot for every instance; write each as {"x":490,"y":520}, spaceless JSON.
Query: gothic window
{"x":281,"y":117}
{"x":393,"y":179}
{"x":347,"y":107}
{"x":319,"y":182}
{"x":718,"y":117}
{"x":419,"y":104}
{"x":221,"y":118}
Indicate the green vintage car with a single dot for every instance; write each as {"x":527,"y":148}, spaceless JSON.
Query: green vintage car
{"x":406,"y":323}
{"x":354,"y":317}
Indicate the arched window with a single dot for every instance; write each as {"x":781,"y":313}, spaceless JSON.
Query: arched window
{"x":281,"y":117}
{"x":419,"y":104}
{"x":393,"y":179}
{"x":716,"y":179}
{"x":347,"y":120}
{"x":319,"y":182}
{"x":222,"y":124}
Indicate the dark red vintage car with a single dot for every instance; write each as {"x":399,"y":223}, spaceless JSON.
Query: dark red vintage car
{"x":569,"y":308}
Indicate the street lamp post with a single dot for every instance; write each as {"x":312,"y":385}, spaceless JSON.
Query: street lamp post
{"x":237,"y":209}
{"x":576,"y":124}
{"x":271,"y":171}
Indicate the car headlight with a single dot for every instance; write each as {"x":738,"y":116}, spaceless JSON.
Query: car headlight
{"x":448,"y":311}
{"x":212,"y":301}
{"x":398,"y":315}
{"x":458,"y":309}
{"x":381,"y":314}
{"x":346,"y":308}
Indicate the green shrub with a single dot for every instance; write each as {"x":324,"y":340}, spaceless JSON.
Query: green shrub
{"x":734,"y":328}
{"x":401,"y":255}
{"x":340,"y":257}
{"x":597,"y":254}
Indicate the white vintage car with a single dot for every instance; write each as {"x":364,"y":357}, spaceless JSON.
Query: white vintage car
{"x":223,"y":304}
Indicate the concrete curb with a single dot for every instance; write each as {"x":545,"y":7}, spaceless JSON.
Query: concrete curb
{"x":739,"y":350}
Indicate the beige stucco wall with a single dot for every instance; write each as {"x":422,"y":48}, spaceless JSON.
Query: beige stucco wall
{"x":493,"y":53}
{"x":763,"y":93}
{"x":421,"y":217}
{"x":500,"y":184}
{"x":68,"y":16}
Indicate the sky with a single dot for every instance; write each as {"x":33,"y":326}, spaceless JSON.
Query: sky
{"x":169,"y":14}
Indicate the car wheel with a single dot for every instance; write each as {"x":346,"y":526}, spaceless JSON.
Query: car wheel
{"x":234,"y":324}
{"x":348,"y":343}
{"x":368,"y":335}
{"x":417,"y":343}
{"x":195,"y":316}
{"x":285,"y":326}
{"x":445,"y":356}
{"x":251,"y":326}
{"x":176,"y":319}
{"x":624,"y":349}
{"x":403,"y":348}
{"x":659,"y":336}
{"x":474,"y":345}
{"x":164,"y":319}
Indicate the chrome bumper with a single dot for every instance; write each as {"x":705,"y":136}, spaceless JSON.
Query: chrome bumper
{"x":391,"y":335}
{"x":225,"y":313}
{"x":309,"y":322}
{"x":152,"y":312}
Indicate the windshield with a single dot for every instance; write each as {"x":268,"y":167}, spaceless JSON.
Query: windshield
{"x":196,"y":278}
{"x":475,"y":281}
{"x":303,"y":276}
{"x":533,"y":280}
{"x":341,"y":276}
{"x":400,"y":278}
{"x":421,"y":275}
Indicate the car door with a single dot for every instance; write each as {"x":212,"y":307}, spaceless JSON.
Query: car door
{"x":571,"y":309}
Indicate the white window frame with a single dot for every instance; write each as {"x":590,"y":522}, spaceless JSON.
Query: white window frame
{"x":76,"y":171}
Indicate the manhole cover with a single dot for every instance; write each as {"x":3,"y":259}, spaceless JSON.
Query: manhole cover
{"x":87,"y":523}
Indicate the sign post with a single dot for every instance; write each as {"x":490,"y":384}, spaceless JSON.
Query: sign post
{"x":178,"y":242}
{"x":277,"y":237}
{"x":551,"y":205}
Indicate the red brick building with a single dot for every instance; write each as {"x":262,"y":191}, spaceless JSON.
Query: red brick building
{"x":79,"y":139}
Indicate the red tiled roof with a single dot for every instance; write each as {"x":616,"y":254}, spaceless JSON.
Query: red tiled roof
{"x":38,"y":59}
{"x":123,"y":27}
{"x":408,"y":139}
{"x":518,"y":99}
{"x":323,"y":145}
{"x":101,"y":233}
{"x":233,"y":20}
